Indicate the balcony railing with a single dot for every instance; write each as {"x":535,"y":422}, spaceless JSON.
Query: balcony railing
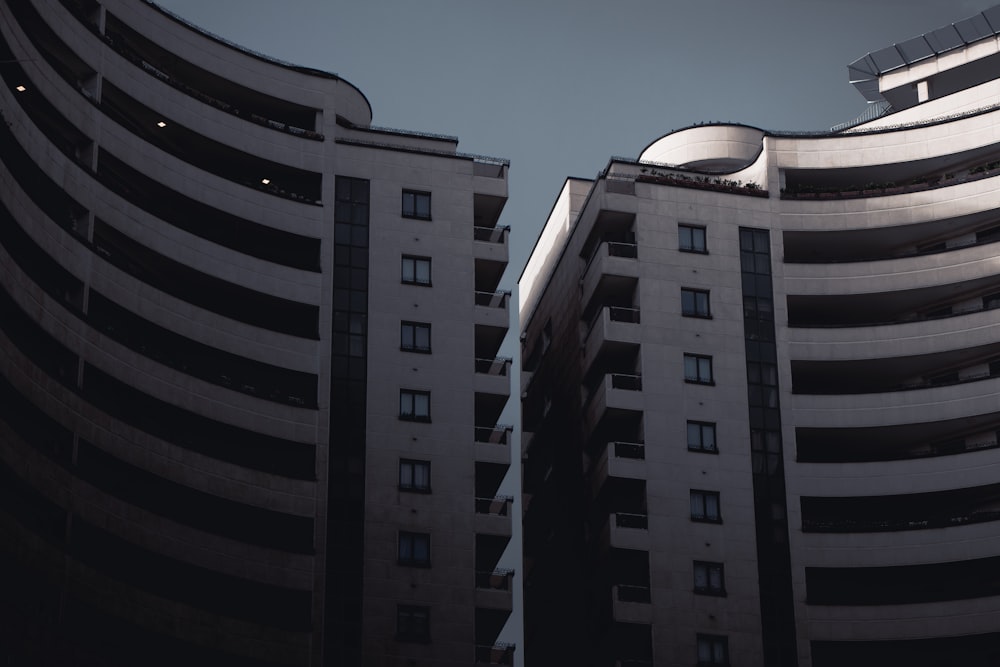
{"x":491,"y":234}
{"x":493,"y":299}
{"x":497,"y":580}
{"x":632,"y":593}
{"x":615,"y":314}
{"x":496,"y":506}
{"x":939,"y":314}
{"x":626,"y":381}
{"x":629,"y":450}
{"x":494,"y":435}
{"x":499,"y":366}
{"x":875,"y":525}
{"x":626,"y":520}
{"x":495,"y":654}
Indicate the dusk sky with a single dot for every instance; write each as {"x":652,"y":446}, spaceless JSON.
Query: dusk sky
{"x":559,"y":86}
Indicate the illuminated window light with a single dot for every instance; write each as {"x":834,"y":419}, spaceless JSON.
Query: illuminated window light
{"x":20,"y":89}
{"x":161,"y":124}
{"x":265,"y":181}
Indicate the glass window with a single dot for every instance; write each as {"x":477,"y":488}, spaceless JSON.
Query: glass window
{"x":415,"y":475}
{"x":694,"y":303}
{"x":415,"y":405}
{"x":691,"y":238}
{"x":712,"y":650}
{"x":416,"y":270}
{"x":705,"y":506}
{"x":414,"y":549}
{"x":416,"y":204}
{"x":415,"y":337}
{"x":698,"y":368}
{"x":413,"y":623}
{"x":709,"y":578}
{"x":701,"y":437}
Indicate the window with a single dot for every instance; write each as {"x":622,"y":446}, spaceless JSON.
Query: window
{"x":701,"y":437}
{"x":705,"y":506}
{"x":414,"y":475}
{"x":415,"y":405}
{"x":708,"y":578}
{"x":712,"y":650}
{"x":416,"y":204}
{"x":694,"y":303}
{"x":698,"y":369}
{"x":692,"y":239}
{"x":413,"y":623}
{"x":414,"y":549}
{"x":414,"y":337}
{"x":416,"y":270}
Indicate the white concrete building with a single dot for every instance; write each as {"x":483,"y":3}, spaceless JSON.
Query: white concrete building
{"x":761,"y":387}
{"x":248,"y":379}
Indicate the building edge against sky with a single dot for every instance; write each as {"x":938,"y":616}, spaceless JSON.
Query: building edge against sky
{"x":760,"y":374}
{"x":248,"y":360}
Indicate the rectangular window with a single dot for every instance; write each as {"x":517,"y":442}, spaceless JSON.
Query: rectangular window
{"x":415,"y":405}
{"x":692,"y":239}
{"x":701,"y":437}
{"x":416,"y":270}
{"x":705,"y":506}
{"x":713,"y":651}
{"x":698,"y":369}
{"x":415,"y":337}
{"x":414,"y":549}
{"x":694,"y":303}
{"x":709,"y":578}
{"x":414,"y":475}
{"x":413,"y":623}
{"x":416,"y":204}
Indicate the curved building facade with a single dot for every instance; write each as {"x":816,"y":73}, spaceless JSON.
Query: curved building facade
{"x":204,"y":255}
{"x":783,"y":388}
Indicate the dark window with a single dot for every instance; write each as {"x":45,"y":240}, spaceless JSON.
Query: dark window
{"x":712,"y":650}
{"x":413,"y":623}
{"x":415,"y":405}
{"x":414,"y":549}
{"x":414,"y":475}
{"x":698,"y":369}
{"x":416,"y":204}
{"x":691,"y":239}
{"x":709,"y":578}
{"x":416,"y":270}
{"x":705,"y":506}
{"x":694,"y":303}
{"x":701,"y":437}
{"x":415,"y":337}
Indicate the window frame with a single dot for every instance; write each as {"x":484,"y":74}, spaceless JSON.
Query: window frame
{"x":703,"y":496}
{"x":698,"y":359}
{"x":413,"y":623}
{"x":407,"y":543}
{"x":413,"y":415}
{"x":697,"y":311}
{"x":414,"y":280}
{"x":715,"y":644}
{"x":708,"y":568}
{"x":700,"y":445}
{"x":692,"y":247}
{"x":414,"y":327}
{"x":412,"y":486}
{"x":413,"y":209}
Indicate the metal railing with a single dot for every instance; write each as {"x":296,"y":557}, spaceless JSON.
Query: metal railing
{"x":497,"y":299}
{"x":499,"y":366}
{"x":494,"y":435}
{"x":495,"y":654}
{"x":632,"y":593}
{"x":497,"y":580}
{"x":896,"y":524}
{"x":626,"y":520}
{"x":491,"y":234}
{"x":496,"y":506}
{"x":628,"y":450}
{"x":626,"y":381}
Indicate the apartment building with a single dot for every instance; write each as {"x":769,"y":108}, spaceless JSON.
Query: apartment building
{"x":249,"y":384}
{"x":760,"y":387}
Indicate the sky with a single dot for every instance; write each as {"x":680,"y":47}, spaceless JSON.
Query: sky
{"x":560,"y":86}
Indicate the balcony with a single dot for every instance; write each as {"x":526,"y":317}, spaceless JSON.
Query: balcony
{"x":492,"y":444}
{"x":495,"y":654}
{"x":631,"y":604}
{"x":611,"y":332}
{"x":494,"y":588}
{"x":493,"y":515}
{"x":493,"y":376}
{"x":611,"y":273}
{"x":625,"y":531}
{"x":491,"y":252}
{"x":617,"y":394}
{"x":492,"y":309}
{"x":620,"y":460}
